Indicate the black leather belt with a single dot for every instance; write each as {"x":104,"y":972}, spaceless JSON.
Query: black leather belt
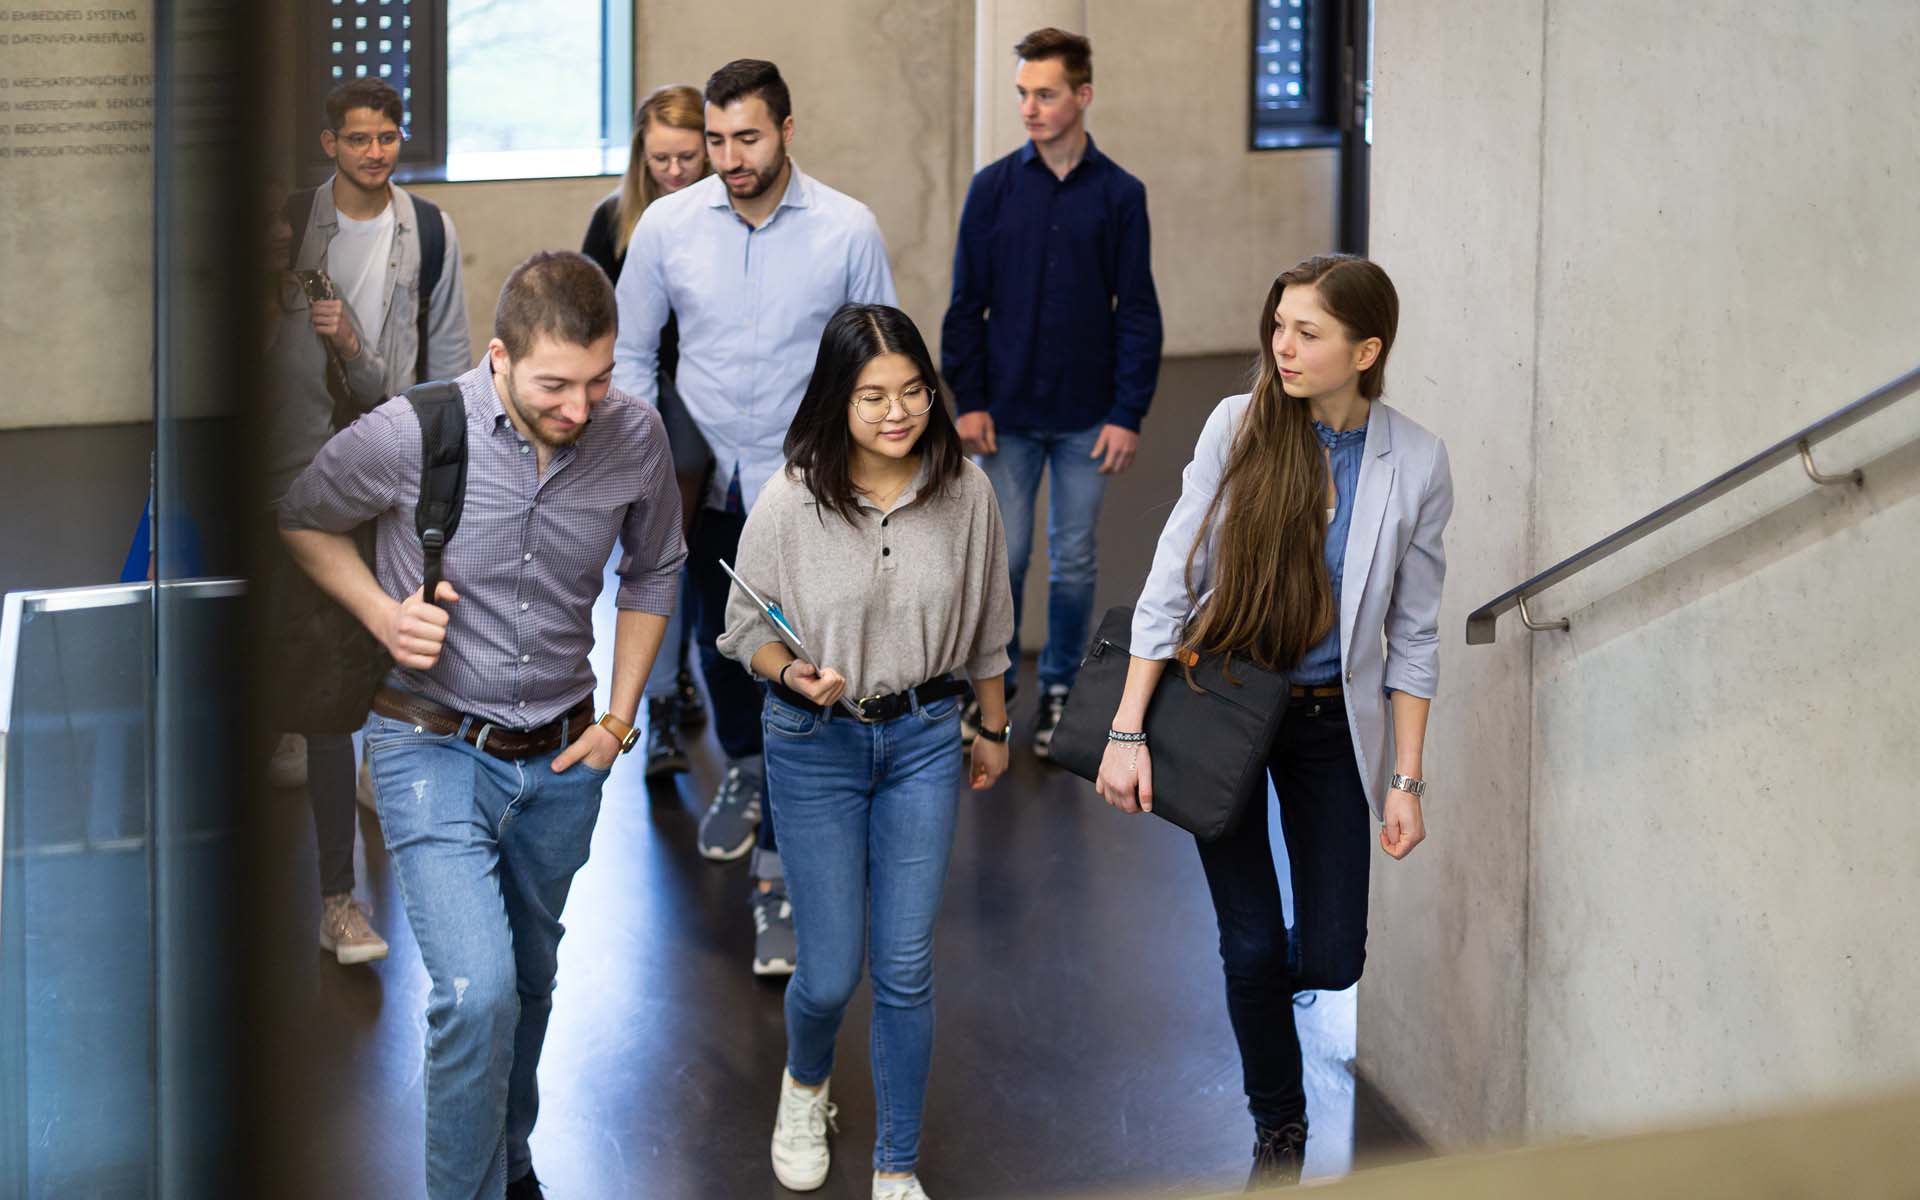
{"x":497,"y":740}
{"x":876,"y":709}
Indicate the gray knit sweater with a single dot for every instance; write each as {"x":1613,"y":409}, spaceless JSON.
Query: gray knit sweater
{"x":891,"y":601}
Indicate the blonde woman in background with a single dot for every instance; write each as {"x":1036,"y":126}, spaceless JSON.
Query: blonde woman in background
{"x":669,"y":152}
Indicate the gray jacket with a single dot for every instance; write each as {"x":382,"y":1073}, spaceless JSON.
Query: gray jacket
{"x":396,"y":348}
{"x":1389,"y":594}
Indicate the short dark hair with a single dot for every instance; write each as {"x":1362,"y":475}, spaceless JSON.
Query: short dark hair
{"x":559,"y":293}
{"x":375,"y":94}
{"x":745,"y":77}
{"x":1074,"y":52}
{"x":819,"y":444}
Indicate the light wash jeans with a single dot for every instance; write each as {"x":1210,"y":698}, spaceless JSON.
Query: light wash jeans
{"x":866,"y":816}
{"x":664,"y":679}
{"x":484,"y":851}
{"x":1073,"y":514}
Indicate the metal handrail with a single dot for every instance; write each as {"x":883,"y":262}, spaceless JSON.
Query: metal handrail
{"x":1480,"y":622}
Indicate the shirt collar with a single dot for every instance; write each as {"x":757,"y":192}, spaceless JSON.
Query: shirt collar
{"x":799,"y":193}
{"x":1031,"y":153}
{"x":483,"y":400}
{"x":1346,"y":437}
{"x":398,"y":203}
{"x":907,"y":496}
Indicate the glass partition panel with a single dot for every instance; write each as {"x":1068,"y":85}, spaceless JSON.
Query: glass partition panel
{"x":75,"y":892}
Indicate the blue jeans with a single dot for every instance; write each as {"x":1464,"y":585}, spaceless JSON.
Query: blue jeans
{"x":1073,"y":513}
{"x":664,"y":679}
{"x":484,"y":851}
{"x":866,"y":817}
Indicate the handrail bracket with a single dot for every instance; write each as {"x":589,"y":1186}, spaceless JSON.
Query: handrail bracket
{"x":1857,"y":477}
{"x":1526,"y":618}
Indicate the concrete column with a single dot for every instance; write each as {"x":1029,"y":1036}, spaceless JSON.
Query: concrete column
{"x":998,"y":24}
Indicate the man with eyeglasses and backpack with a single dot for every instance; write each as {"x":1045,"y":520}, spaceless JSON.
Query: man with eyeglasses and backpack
{"x":381,"y":262}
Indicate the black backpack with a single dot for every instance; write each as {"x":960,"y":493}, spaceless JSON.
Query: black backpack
{"x":433,"y":256}
{"x":443,"y":472}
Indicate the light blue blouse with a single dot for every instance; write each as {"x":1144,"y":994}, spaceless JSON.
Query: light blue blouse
{"x":1345,"y":450}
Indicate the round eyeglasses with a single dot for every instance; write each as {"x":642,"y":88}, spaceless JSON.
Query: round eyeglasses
{"x":873,"y":407}
{"x":360,"y":143}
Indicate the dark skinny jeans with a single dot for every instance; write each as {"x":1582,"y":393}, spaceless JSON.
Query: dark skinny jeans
{"x":1326,"y":823}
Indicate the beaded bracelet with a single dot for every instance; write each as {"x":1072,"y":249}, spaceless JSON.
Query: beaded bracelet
{"x":1131,"y":739}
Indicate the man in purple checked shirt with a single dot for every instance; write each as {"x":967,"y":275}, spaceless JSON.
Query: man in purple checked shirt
{"x":487,"y":760}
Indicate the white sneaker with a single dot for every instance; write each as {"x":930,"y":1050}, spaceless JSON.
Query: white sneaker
{"x":346,"y":933}
{"x":288,"y":766}
{"x":800,"y":1154}
{"x":898,"y":1189}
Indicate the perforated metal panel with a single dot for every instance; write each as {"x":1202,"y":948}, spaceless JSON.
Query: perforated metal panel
{"x":1291,"y":79}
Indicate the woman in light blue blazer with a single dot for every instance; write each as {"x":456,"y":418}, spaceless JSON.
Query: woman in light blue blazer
{"x":1307,"y":539}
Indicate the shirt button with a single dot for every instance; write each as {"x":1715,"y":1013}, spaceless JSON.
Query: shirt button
{"x":522,"y":704}
{"x":524,"y":448}
{"x":883,"y":522}
{"x":526,"y":658}
{"x":885,"y":550}
{"x":523,"y":606}
{"x":527,"y":557}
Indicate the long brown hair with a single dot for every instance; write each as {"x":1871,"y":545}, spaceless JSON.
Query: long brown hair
{"x":1272,"y":599}
{"x":677,"y":106}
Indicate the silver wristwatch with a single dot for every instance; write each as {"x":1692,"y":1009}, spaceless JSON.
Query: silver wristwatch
{"x":1408,"y":784}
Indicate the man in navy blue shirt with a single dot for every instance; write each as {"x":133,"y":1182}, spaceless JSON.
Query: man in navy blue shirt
{"x":1052,"y":342}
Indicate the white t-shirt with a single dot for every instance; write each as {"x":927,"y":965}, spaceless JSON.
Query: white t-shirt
{"x":357,"y":260}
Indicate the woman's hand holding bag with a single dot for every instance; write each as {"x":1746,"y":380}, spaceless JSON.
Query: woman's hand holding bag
{"x":1126,"y":777}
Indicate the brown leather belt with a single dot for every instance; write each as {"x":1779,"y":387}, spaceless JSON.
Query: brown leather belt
{"x":1327,"y":692}
{"x":497,"y":740}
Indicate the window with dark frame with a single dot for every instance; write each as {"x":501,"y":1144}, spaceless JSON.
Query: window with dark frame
{"x":1293,"y":91}
{"x":492,"y":88}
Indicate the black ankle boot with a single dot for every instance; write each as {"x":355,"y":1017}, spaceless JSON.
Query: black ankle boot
{"x":527,"y":1187}
{"x":692,"y":708}
{"x":1277,"y":1155}
{"x":666,"y":757}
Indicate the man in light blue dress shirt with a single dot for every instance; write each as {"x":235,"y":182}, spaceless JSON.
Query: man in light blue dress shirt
{"x":753,"y":260}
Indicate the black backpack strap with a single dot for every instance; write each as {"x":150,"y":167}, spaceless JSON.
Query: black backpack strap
{"x":299,"y":212}
{"x":443,"y":472}
{"x":433,"y":254}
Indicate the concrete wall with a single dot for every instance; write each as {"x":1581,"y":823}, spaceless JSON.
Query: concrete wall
{"x":76,"y":216}
{"x":1442,"y":1007}
{"x":1627,"y":262}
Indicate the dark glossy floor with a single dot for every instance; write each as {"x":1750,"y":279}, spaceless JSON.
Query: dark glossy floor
{"x":1083,"y":1039}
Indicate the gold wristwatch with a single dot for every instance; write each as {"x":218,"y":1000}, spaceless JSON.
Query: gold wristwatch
{"x":629,"y":735}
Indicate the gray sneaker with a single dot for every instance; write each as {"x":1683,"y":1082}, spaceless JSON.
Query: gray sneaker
{"x":727,"y":829}
{"x":775,"y":948}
